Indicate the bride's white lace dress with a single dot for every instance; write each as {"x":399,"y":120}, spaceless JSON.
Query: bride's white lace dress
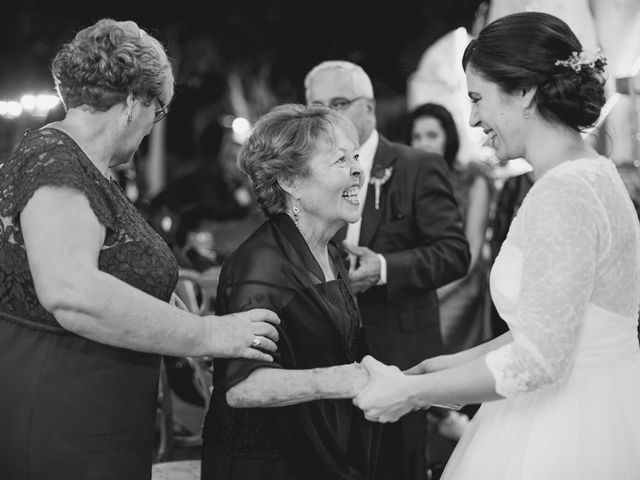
{"x":567,"y":282}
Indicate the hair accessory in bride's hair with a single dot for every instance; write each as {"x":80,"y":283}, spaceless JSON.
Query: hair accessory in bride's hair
{"x":592,"y":59}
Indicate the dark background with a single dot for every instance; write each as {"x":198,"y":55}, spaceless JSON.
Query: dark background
{"x":268,"y":46}
{"x":285,"y":37}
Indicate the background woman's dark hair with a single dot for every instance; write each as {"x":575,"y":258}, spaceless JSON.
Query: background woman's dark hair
{"x":520,"y":51}
{"x":440,"y":113}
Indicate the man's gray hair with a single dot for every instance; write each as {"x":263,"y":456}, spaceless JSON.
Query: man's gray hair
{"x":361,"y":82}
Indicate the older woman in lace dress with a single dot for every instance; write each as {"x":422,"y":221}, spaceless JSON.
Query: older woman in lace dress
{"x":85,"y":282}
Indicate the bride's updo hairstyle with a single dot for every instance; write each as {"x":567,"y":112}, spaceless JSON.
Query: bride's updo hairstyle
{"x":533,"y":49}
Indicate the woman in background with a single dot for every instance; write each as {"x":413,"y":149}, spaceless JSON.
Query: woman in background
{"x":462,"y":303}
{"x":432,"y":128}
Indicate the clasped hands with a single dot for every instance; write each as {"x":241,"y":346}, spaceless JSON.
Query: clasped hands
{"x":389,"y":394}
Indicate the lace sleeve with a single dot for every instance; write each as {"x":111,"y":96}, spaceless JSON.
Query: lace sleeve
{"x":44,"y":160}
{"x":558,"y":239}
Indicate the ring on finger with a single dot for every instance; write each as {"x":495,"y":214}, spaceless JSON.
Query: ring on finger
{"x":256,"y":342}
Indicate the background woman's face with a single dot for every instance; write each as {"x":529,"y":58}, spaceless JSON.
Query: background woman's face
{"x":427,"y":134}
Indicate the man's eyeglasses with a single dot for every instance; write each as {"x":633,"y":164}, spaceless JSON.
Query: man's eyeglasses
{"x":160,"y":114}
{"x":339,"y":104}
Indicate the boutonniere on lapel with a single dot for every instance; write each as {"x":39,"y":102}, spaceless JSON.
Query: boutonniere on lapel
{"x":380,"y":176}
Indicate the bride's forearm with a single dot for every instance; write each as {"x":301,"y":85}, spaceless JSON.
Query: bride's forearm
{"x":471,"y":382}
{"x":484,"y":348}
{"x":443,"y":362}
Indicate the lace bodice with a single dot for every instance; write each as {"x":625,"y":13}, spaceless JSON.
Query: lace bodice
{"x":574,"y":242}
{"x":132,"y":250}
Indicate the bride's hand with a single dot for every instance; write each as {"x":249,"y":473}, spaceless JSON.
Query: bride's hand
{"x":386,"y":397}
{"x":430,"y":365}
{"x":249,"y":334}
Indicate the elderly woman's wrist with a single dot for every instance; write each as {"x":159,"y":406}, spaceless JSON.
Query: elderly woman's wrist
{"x":343,"y":381}
{"x":356,"y":380}
{"x":359,"y":379}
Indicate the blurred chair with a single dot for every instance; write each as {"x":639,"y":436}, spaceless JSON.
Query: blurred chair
{"x":194,"y":292}
{"x":197,"y":291}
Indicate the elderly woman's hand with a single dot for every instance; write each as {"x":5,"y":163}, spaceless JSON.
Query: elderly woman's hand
{"x":387,"y":397}
{"x":244,"y":335}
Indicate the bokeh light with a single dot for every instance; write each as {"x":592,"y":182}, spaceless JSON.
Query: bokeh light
{"x":31,"y":104}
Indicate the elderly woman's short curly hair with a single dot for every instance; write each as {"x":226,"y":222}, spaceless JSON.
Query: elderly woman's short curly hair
{"x":107,"y":61}
{"x":280,"y":146}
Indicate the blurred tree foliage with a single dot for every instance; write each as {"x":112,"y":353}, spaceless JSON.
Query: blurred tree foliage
{"x":238,"y":56}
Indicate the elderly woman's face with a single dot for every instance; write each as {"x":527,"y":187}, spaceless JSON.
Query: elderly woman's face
{"x":329,"y":195}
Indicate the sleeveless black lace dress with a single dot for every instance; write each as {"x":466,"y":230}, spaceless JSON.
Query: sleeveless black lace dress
{"x":71,"y":408}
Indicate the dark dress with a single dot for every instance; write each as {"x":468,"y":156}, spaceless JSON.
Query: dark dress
{"x":324,"y":439}
{"x":71,"y":408}
{"x":508,"y":202}
{"x":462,"y":311}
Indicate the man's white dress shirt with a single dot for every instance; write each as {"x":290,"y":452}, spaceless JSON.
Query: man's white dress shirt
{"x":366,"y":153}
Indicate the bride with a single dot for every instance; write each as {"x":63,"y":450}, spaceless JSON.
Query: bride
{"x":562,"y":387}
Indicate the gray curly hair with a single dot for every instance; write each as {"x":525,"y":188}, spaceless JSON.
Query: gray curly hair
{"x":109,"y":60}
{"x":280,"y":146}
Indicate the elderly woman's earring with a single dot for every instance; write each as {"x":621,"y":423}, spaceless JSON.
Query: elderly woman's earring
{"x":129,"y":118}
{"x":525,"y":112}
{"x":296,"y":214}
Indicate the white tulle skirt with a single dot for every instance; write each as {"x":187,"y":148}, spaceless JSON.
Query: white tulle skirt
{"x":585,"y":428}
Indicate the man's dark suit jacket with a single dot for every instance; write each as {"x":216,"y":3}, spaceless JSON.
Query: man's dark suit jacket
{"x":418,"y":229}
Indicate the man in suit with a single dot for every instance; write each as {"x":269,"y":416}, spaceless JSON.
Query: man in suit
{"x":409,"y":242}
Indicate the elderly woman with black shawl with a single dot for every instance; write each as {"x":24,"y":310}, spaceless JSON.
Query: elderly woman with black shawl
{"x":293,"y":418}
